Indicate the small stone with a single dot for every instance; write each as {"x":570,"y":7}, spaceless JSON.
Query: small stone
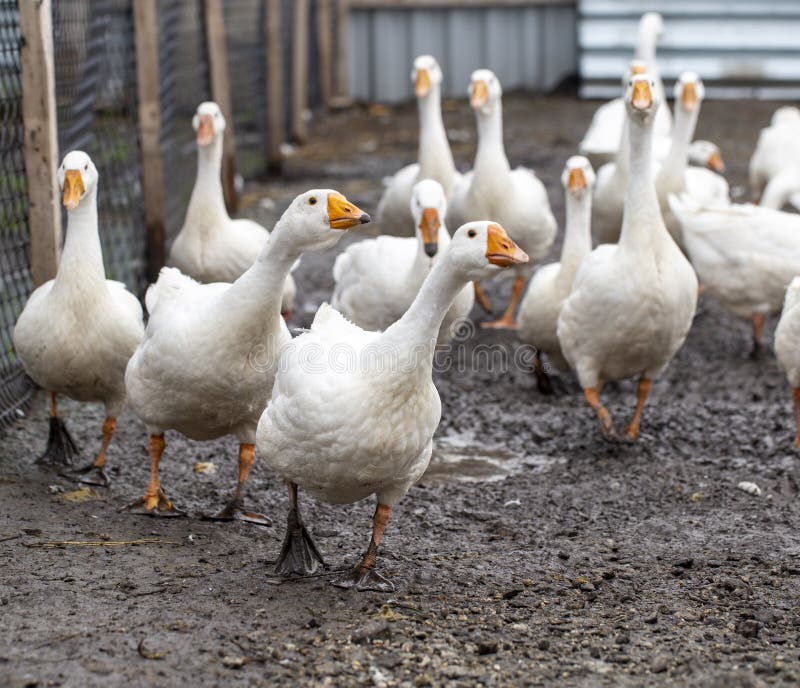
{"x":487,"y":647}
{"x":563,"y":555}
{"x":509,"y":594}
{"x":371,"y":631}
{"x":659,"y":664}
{"x":651,"y":618}
{"x":749,"y":628}
{"x":543,"y":644}
{"x":234,"y":662}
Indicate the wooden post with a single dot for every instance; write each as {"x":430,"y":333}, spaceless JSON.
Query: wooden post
{"x":221,"y":94}
{"x":147,"y":82}
{"x":342,"y":12}
{"x":275,"y":111}
{"x":324,"y":49}
{"x":300,"y":29}
{"x":41,"y":137}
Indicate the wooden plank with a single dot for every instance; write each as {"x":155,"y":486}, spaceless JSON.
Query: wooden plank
{"x":221,"y":94}
{"x":324,"y":29}
{"x":41,"y":137}
{"x":300,"y":28}
{"x":147,"y":82}
{"x":275,"y":119}
{"x":341,"y":85}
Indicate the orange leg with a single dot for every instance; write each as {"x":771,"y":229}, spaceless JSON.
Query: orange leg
{"x":53,"y":405}
{"x":507,"y":321}
{"x":796,"y":395}
{"x":234,"y":509}
{"x":592,"y":396}
{"x":364,"y":576}
{"x":94,"y":473}
{"x":758,"y":330}
{"x":632,"y":431}
{"x":154,"y":501}
{"x":481,"y":298}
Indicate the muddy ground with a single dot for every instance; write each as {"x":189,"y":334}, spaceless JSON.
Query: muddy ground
{"x":531,"y":554}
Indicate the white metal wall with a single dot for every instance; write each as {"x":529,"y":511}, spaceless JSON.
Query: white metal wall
{"x":738,"y":47}
{"x":531,"y":48}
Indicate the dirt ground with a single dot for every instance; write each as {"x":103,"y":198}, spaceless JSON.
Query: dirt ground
{"x":532,"y":553}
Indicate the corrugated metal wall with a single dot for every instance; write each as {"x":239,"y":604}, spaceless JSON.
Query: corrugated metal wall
{"x":738,"y":47}
{"x":531,"y":48}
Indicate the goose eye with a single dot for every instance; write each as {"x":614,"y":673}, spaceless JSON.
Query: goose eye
{"x":472,"y":233}
{"x":86,"y":166}
{"x":312,"y":200}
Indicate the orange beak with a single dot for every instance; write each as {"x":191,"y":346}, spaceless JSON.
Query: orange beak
{"x":501,"y":251}
{"x":576,"y":180}
{"x":429,"y":228}
{"x":688,"y":96}
{"x":422,"y":83}
{"x":205,"y":130}
{"x":478,"y":95}
{"x":716,"y":163}
{"x":641,"y":98}
{"x":342,"y":214}
{"x":73,"y":189}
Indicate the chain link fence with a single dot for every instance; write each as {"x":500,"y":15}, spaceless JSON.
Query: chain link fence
{"x":97,"y":111}
{"x":15,"y":388}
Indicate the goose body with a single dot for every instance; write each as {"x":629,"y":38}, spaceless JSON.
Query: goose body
{"x":632,"y":303}
{"x":77,"y":331}
{"x":210,"y":354}
{"x":378,"y":279}
{"x":774,"y":167}
{"x":787,"y":346}
{"x":551,"y":284}
{"x":211,"y":246}
{"x":344,"y":432}
{"x":745,"y":255}
{"x":434,"y":159}
{"x":516,"y":198}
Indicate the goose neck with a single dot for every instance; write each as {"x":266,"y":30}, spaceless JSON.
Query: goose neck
{"x":641,"y":200}
{"x":82,"y":256}
{"x":677,"y":158}
{"x":412,"y":339}
{"x":207,"y":203}
{"x":577,"y":235}
{"x":491,"y":157}
{"x":434,"y":155}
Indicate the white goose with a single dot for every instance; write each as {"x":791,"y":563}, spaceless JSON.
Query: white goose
{"x":210,"y":353}
{"x":745,"y":255}
{"x":346,"y":432}
{"x":787,"y":350}
{"x":775,"y":166}
{"x":435,"y":160}
{"x":378,"y":279}
{"x":212,"y":247}
{"x":551,"y":285}
{"x":515,"y":198}
{"x":606,"y":134}
{"x":674,"y":174}
{"x":78,"y":331}
{"x":632,"y":303}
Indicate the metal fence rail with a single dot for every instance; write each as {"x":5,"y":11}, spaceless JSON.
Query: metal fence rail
{"x":15,"y":285}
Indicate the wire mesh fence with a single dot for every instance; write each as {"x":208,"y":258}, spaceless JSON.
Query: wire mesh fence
{"x":96,"y":98}
{"x":95,"y":68}
{"x":15,"y":388}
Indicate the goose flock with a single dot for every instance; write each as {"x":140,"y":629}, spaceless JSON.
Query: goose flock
{"x":215,"y":356}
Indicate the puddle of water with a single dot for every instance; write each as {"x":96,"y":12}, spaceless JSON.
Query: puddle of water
{"x":462,"y":459}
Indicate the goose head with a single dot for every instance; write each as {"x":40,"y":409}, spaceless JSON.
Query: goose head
{"x":706,"y":154}
{"x":319,"y":218}
{"x":651,"y":26}
{"x":429,"y":207}
{"x":208,"y":122}
{"x":425,"y":75}
{"x":641,"y":97}
{"x":481,"y":249}
{"x":689,"y":92}
{"x":485,"y":91}
{"x":578,"y":177}
{"x":77,"y":178}
{"x":634,"y":67}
